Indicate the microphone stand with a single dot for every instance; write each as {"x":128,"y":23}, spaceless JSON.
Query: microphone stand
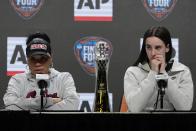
{"x":42,"y":97}
{"x":162,"y":80}
{"x":42,"y":85}
{"x":162,"y":85}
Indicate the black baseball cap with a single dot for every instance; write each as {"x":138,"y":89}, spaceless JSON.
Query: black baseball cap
{"x":38,"y":44}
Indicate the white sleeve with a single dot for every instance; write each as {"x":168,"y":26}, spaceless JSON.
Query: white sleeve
{"x":137,"y":93}
{"x":70,"y":97}
{"x":181,"y":94}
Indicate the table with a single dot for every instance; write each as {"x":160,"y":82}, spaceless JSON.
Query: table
{"x":60,"y":120}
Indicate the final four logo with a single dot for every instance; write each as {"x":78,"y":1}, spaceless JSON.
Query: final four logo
{"x":159,"y":9}
{"x":84,"y":50}
{"x":26,"y":8}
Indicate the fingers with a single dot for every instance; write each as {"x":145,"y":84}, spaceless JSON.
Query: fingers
{"x":159,"y":58}
{"x":56,"y":100}
{"x":158,"y":63}
{"x":155,"y":64}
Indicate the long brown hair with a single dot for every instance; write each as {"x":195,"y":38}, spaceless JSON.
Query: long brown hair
{"x":163,"y":34}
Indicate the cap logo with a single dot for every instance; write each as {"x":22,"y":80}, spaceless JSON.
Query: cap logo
{"x":38,"y":46}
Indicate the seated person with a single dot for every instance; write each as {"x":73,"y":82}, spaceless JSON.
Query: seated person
{"x":23,"y":92}
{"x":141,"y":89}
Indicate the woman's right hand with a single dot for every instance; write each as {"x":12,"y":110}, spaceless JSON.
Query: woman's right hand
{"x":158,"y":64}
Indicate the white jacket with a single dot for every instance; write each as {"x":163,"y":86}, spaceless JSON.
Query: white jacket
{"x":23,"y":92}
{"x":140,"y":88}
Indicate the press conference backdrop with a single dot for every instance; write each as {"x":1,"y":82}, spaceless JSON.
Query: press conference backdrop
{"x":74,"y":27}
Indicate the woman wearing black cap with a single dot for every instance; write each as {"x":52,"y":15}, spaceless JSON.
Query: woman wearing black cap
{"x":23,"y":92}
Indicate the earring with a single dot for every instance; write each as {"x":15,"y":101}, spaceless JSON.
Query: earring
{"x":51,"y":65}
{"x":27,"y":69}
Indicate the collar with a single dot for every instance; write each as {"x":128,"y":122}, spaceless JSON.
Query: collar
{"x":52,"y":73}
{"x":176,"y":67}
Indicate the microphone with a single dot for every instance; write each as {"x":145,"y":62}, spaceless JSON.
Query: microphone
{"x":42,"y":84}
{"x":162,"y":79}
{"x":42,"y":80}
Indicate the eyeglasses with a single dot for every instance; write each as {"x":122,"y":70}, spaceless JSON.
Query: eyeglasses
{"x":39,"y":59}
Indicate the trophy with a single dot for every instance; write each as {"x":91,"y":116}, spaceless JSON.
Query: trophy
{"x":102,"y":57}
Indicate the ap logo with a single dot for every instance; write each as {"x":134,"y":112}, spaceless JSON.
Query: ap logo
{"x":93,"y":10}
{"x":159,"y":9}
{"x":26,"y":8}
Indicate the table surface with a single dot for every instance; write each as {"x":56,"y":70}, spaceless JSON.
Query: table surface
{"x":61,"y":120}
